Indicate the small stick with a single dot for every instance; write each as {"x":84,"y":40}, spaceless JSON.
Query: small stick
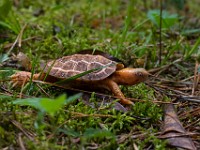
{"x":20,"y":36}
{"x":196,"y":78}
{"x":160,"y":40}
{"x":21,"y":143}
{"x":18,"y":39}
{"x":78,"y":115}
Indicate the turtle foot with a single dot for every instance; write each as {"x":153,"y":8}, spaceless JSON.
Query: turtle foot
{"x":20,"y":78}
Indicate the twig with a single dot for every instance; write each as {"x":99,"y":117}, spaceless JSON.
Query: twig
{"x":195,"y":78}
{"x":18,"y":39}
{"x":21,"y":143}
{"x":42,"y":90}
{"x":189,"y":78}
{"x":160,"y":39}
{"x":29,"y":135}
{"x":25,"y":40}
{"x":193,"y":113}
{"x":161,"y":69}
{"x":178,"y":135}
{"x":192,"y":124}
{"x":178,"y":94}
{"x":79,"y":115}
{"x":20,"y":36}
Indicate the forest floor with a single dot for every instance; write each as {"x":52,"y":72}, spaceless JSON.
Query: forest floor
{"x":41,"y":115}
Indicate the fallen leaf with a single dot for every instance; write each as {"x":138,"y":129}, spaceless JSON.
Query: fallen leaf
{"x":174,"y":132}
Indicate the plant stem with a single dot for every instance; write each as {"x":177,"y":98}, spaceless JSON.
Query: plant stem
{"x":160,"y":40}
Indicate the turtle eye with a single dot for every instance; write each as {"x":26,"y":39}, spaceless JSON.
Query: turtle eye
{"x":140,"y":74}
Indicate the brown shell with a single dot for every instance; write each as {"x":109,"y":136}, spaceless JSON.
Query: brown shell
{"x":72,"y":65}
{"x":98,"y":52}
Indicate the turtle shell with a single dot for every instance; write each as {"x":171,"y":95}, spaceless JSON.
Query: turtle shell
{"x":98,"y":52}
{"x":72,"y":65}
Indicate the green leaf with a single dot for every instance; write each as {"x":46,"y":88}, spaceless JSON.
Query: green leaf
{"x":70,"y":132}
{"x":168,"y":20}
{"x":97,"y":133}
{"x":4,"y":96}
{"x":4,"y":24}
{"x":193,"y":50}
{"x":3,"y":57}
{"x":5,"y":7}
{"x":8,"y":18}
{"x":72,"y":98}
{"x":190,"y":31}
{"x":51,"y":106}
{"x":34,"y":102}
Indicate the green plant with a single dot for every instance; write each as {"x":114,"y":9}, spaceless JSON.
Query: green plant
{"x":97,"y":133}
{"x":168,"y":20}
{"x":47,"y":105}
{"x":3,"y":58}
{"x":8,"y":18}
{"x":194,"y":49}
{"x":147,"y":110}
{"x":157,"y":143}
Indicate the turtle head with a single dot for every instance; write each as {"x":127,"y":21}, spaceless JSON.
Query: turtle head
{"x":130,"y":76}
{"x":139,"y":75}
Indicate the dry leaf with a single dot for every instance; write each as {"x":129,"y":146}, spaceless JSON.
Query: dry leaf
{"x":174,"y":132}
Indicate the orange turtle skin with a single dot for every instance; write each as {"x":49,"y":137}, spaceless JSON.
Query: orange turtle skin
{"x":110,"y":76}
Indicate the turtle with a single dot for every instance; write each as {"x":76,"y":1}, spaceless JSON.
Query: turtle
{"x":107,"y":73}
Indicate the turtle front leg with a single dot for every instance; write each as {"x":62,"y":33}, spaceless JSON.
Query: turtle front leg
{"x":113,"y":86}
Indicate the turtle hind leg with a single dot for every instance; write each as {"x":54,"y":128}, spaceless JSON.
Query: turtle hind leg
{"x":113,"y":86}
{"x":22,"y":77}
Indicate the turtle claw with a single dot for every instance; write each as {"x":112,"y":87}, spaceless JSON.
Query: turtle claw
{"x":20,"y":78}
{"x":14,"y":84}
{"x":126,"y":102}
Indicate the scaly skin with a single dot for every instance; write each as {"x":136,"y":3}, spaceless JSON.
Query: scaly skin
{"x":23,"y":77}
{"x":126,"y":76}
